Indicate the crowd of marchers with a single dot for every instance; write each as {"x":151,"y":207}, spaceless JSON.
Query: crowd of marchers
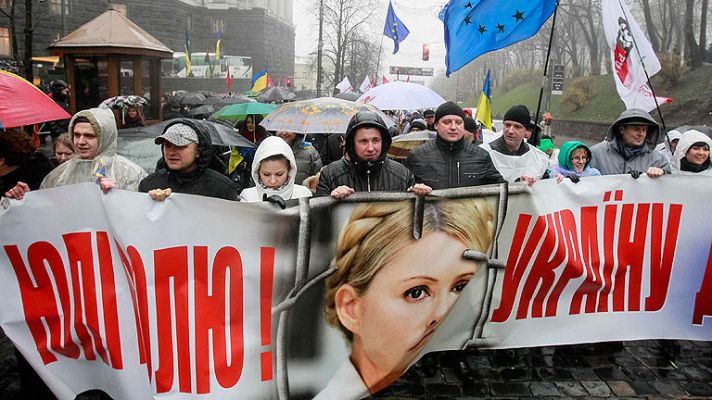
{"x":286,"y":166}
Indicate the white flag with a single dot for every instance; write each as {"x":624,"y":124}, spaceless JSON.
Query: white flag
{"x":630,"y":49}
{"x":365,"y":85}
{"x":345,"y":86}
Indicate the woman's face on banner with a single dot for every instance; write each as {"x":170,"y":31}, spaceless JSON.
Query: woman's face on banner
{"x":405,"y":302}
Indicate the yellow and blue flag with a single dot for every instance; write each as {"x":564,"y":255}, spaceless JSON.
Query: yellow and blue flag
{"x":395,"y":28}
{"x":259,"y":80}
{"x":484,"y":105}
{"x":218,"y":53}
{"x":187,"y":54}
{"x":475,"y":27}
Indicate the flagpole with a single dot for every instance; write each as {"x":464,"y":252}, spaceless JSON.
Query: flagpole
{"x":534,"y":140}
{"x":647,"y":77}
{"x":380,"y":51}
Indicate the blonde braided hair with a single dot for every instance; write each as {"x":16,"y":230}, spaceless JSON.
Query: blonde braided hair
{"x":378,"y":232}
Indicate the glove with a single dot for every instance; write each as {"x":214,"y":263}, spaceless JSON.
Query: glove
{"x":574,"y":178}
{"x":276,"y":200}
{"x":635,"y":174}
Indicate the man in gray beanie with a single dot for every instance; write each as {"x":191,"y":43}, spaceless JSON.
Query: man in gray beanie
{"x":449,"y":160}
{"x":514,"y":158}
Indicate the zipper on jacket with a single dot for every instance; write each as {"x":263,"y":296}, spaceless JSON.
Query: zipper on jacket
{"x":368,"y":179}
{"x":458,"y":173}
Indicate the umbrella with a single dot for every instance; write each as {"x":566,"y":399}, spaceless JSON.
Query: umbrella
{"x":350,"y":96}
{"x":226,"y":101}
{"x":205,"y":109}
{"x":322,"y":115}
{"x":220,"y":134}
{"x":707,"y":130}
{"x":401,"y":96}
{"x":242,"y":110}
{"x":275,"y":94}
{"x":403,"y":144}
{"x":191,"y":99}
{"x":23,"y":104}
{"x":124,"y":102}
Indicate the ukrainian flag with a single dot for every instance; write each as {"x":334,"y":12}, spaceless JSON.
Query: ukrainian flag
{"x":218,"y":54}
{"x":187,"y":55}
{"x":484,"y":105}
{"x":259,"y":80}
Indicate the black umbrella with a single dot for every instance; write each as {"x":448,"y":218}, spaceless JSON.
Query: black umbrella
{"x":221,"y":135}
{"x":275,"y":94}
{"x":221,"y":102}
{"x":192,"y":99}
{"x":205,"y":109}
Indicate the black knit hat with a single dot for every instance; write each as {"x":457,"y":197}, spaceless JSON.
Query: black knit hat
{"x":470,"y":125}
{"x":428,"y":112}
{"x":519,"y":114}
{"x":449,"y":108}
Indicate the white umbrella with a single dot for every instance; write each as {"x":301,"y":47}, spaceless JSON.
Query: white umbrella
{"x":401,"y":96}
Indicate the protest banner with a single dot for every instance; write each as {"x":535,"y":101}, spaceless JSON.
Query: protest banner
{"x":197,"y":297}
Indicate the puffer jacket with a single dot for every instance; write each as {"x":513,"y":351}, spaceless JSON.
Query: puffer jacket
{"x":390,"y":176}
{"x":608,"y":157}
{"x":125,"y":172}
{"x":203,"y":181}
{"x":441,"y":164}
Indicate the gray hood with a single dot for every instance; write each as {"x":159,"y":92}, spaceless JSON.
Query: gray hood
{"x":635,"y":115}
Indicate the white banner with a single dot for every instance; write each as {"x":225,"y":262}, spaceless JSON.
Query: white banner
{"x":345,"y":85}
{"x":631,"y":55}
{"x":187,"y":298}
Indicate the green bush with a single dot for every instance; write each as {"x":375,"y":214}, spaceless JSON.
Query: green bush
{"x":672,"y":69}
{"x":577,"y":93}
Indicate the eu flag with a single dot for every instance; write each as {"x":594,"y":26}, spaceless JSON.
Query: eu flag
{"x":475,"y":27}
{"x":395,"y":28}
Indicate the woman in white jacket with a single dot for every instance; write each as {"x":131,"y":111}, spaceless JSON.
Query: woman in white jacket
{"x":692,"y":154}
{"x":273,"y":171}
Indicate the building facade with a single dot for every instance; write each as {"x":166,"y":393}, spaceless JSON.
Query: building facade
{"x":259,"y":29}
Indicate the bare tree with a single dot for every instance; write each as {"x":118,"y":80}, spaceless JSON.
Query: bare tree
{"x":689,"y":29}
{"x":344,"y":23}
{"x":32,"y":18}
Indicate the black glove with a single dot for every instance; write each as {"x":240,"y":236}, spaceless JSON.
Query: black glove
{"x":574,"y":178}
{"x":276,"y":200}
{"x":635,"y":174}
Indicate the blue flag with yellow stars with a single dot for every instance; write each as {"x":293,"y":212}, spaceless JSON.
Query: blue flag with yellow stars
{"x":475,"y":27}
{"x":395,"y":28}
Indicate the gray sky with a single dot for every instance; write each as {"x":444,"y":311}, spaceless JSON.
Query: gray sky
{"x":420,"y":16}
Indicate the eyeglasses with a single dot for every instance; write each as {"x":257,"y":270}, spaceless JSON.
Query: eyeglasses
{"x":580,"y":158}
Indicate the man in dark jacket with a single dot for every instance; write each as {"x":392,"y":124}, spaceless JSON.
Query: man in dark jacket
{"x":187,"y":152}
{"x":449,"y":160}
{"x":365,"y":167}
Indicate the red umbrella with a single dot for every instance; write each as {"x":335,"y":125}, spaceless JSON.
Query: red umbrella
{"x":22,"y":103}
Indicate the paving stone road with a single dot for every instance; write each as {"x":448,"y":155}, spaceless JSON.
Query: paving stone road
{"x":647,"y":369}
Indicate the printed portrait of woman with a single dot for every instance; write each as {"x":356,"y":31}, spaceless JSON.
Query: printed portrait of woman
{"x":390,"y":292}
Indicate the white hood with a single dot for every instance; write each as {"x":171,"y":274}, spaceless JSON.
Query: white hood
{"x":272,"y":146}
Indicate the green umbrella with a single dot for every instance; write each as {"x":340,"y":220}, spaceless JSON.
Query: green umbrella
{"x":240,"y":111}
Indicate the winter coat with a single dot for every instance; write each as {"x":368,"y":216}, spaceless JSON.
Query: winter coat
{"x":529,"y":160}
{"x":565,"y":167}
{"x":203,"y":181}
{"x":307,"y":159}
{"x":332,"y":149}
{"x":441,"y":164}
{"x":608,"y":157}
{"x":688,"y":139}
{"x":269,"y":147}
{"x":125,"y":172}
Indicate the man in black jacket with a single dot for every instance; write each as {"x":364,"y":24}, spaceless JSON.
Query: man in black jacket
{"x":449,"y":160}
{"x":365,"y":167}
{"x":187,"y":152}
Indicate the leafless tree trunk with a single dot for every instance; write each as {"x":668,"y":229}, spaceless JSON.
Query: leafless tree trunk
{"x":650,"y":25}
{"x":703,"y":29}
{"x":689,"y":29}
{"x":29,"y":30}
{"x":10,"y":14}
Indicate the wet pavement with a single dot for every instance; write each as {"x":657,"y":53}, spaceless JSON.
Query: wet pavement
{"x":647,"y":369}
